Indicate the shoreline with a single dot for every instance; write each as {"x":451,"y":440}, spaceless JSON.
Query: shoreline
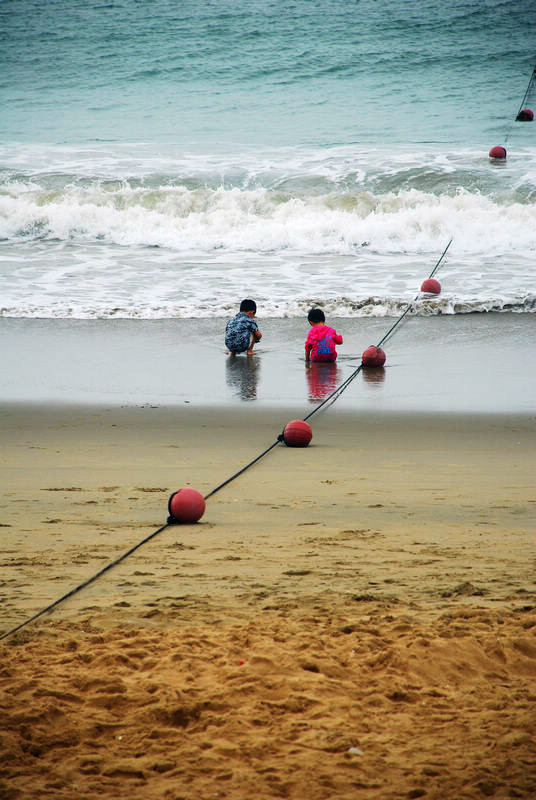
{"x":474,"y":363}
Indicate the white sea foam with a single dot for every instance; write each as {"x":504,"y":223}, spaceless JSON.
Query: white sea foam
{"x":259,"y":220}
{"x":93,"y":233}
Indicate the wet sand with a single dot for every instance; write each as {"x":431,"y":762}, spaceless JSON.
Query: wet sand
{"x":355,"y":619}
{"x":467,"y":363}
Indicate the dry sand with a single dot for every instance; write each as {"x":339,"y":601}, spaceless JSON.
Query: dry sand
{"x":351,"y":620}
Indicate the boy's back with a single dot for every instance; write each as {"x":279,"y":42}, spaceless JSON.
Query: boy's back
{"x":241,"y":332}
{"x":321,"y":339}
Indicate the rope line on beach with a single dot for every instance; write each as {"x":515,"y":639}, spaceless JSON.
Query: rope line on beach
{"x":84,"y":584}
{"x":240,"y":471}
{"x":331,"y":398}
{"x":336,"y":393}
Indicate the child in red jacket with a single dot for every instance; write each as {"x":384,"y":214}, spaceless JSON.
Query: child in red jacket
{"x":321,"y":339}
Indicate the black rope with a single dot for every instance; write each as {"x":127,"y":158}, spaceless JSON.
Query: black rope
{"x":240,"y":471}
{"x":529,"y":87}
{"x":331,"y":398}
{"x":84,"y":584}
{"x":516,"y":119}
{"x":336,"y":393}
{"x":410,"y":305}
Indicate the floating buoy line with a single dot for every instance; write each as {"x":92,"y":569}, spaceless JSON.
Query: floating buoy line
{"x":187,"y":505}
{"x":498,"y":152}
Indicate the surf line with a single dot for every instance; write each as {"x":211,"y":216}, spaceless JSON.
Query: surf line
{"x":170,"y":521}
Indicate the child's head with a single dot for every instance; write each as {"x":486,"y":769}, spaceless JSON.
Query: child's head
{"x":316,"y":316}
{"x":248,"y":305}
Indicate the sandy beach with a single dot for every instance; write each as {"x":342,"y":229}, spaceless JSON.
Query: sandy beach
{"x":351,"y":620}
{"x":354,"y":619}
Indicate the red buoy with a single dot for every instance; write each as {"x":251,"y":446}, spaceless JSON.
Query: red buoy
{"x":186,"y":505}
{"x":525,"y":115}
{"x":373,"y":357}
{"x":431,"y":286}
{"x":497,"y":152}
{"x":297,"y":433}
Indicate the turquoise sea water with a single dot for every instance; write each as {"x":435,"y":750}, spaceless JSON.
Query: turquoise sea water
{"x":310,"y":72}
{"x":165,"y":158}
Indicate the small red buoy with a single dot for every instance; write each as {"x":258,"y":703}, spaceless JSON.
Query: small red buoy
{"x":373,"y":357}
{"x":431,"y":286}
{"x":525,"y":115}
{"x":497,"y":152}
{"x":186,"y":505}
{"x":297,"y":433}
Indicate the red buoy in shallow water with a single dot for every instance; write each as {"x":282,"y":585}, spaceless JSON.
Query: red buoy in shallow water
{"x":297,"y":433}
{"x":525,"y":115}
{"x":373,"y":357}
{"x":497,"y":152}
{"x":186,"y":505}
{"x":431,"y":286}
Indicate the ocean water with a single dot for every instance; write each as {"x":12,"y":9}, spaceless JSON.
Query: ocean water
{"x":166,"y":159}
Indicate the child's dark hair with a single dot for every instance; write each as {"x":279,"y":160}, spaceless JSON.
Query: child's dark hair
{"x":248,"y":305}
{"x":316,"y":315}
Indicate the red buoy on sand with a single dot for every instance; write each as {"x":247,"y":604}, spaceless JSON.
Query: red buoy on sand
{"x":297,"y":433}
{"x":373,"y":357}
{"x":431,"y":286}
{"x":497,"y":152}
{"x":525,"y":115}
{"x":186,"y":505}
